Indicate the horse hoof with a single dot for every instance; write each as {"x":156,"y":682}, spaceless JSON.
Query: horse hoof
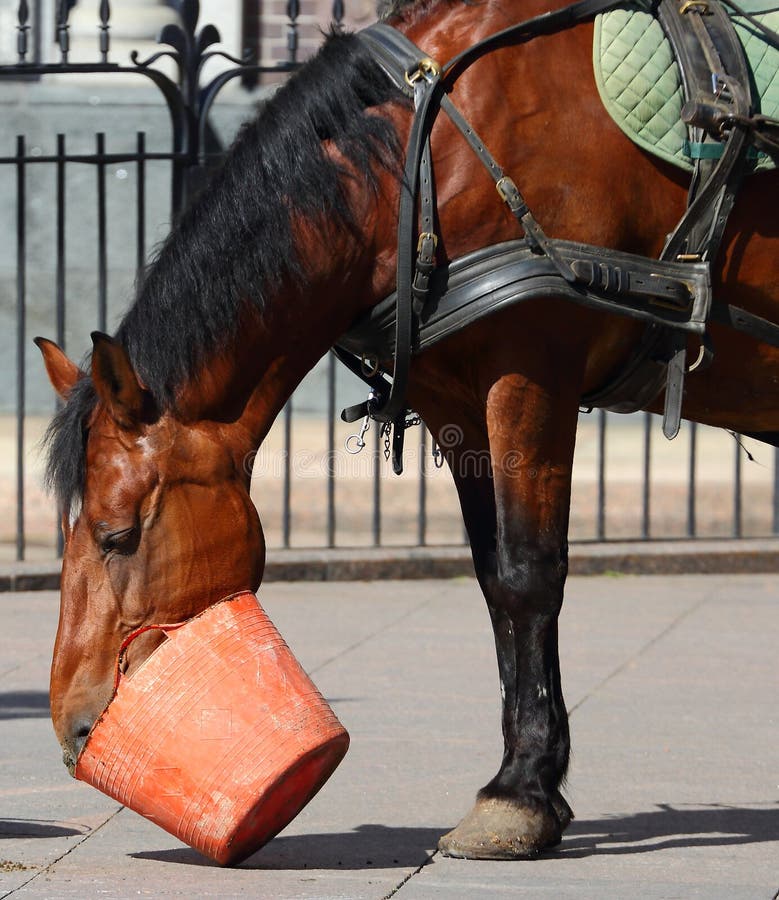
{"x":563,"y":810}
{"x":564,"y":814}
{"x":497,"y":828}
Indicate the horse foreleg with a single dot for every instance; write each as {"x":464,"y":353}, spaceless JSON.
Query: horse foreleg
{"x":517,"y":520}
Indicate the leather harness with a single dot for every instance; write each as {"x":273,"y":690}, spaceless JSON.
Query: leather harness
{"x":672,"y":294}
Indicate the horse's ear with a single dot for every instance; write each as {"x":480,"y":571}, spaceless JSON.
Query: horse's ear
{"x":116,"y":383}
{"x":63,"y":373}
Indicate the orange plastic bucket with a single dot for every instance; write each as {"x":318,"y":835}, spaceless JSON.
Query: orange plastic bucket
{"x":219,"y":737}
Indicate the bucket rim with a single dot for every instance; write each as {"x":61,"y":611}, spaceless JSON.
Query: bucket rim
{"x":331,"y":752}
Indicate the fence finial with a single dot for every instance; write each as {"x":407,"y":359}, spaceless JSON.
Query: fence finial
{"x":63,"y":35}
{"x":293,"y":11}
{"x":23,"y":29}
{"x":105,"y":26}
{"x":338,"y":14}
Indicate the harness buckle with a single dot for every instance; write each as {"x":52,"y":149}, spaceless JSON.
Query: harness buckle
{"x":424,"y":237}
{"x":700,"y":6}
{"x":509,"y":193}
{"x":369,"y":364}
{"x":427,"y":68}
{"x":505,"y":187}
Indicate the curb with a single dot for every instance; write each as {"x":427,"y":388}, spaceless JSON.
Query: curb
{"x":699,"y":557}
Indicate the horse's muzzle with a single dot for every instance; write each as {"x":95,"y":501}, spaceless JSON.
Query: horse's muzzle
{"x":74,"y":744}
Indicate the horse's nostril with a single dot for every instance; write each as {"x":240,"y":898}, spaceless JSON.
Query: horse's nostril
{"x":74,"y":743}
{"x":80,"y":733}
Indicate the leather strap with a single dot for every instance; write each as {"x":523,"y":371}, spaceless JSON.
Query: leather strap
{"x":490,"y":279}
{"x":546,"y":23}
{"x":768,"y":33}
{"x":502,"y":275}
{"x":428,"y":239}
{"x":378,"y":383}
{"x":714,"y":76}
{"x":711,"y":59}
{"x":697,"y":235}
{"x":508,"y":191}
{"x":674,"y":386}
{"x":394,"y":50}
{"x":755,"y":326}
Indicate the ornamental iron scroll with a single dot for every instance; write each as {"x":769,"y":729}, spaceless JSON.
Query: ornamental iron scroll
{"x":188,"y":99}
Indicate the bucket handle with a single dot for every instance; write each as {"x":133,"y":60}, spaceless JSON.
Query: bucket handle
{"x":130,"y":638}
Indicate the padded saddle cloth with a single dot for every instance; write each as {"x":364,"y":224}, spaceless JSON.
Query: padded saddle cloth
{"x":639,"y":82}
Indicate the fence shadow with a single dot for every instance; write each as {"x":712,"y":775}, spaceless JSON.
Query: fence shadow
{"x":24,"y":705}
{"x":383,"y":847}
{"x":670,"y":826}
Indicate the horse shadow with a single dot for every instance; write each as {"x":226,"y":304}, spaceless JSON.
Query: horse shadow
{"x":24,"y":705}
{"x":371,"y":846}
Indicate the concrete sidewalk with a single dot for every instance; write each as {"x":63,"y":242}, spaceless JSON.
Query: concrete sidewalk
{"x":672,"y":685}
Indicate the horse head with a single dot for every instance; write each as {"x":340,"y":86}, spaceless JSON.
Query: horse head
{"x":157,"y":520}
{"x":149,"y":454}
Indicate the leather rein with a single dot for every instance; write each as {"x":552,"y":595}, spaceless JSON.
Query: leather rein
{"x":664,"y":292}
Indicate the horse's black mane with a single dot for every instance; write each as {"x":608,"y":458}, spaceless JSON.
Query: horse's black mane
{"x":236,"y":242}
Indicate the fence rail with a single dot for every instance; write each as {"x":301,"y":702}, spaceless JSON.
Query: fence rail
{"x":79,"y":224}
{"x":629,"y":484}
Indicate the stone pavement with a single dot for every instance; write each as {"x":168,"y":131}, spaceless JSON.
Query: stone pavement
{"x":672,"y":685}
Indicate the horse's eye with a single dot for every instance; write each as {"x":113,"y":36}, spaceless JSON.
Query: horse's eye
{"x":124,"y":541}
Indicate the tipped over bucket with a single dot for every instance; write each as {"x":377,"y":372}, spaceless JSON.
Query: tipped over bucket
{"x":219,"y":737}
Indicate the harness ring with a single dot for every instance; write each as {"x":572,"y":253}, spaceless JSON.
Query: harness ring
{"x":427,"y":68}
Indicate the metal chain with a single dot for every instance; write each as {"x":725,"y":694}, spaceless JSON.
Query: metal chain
{"x":438,"y":456}
{"x":386,"y":428}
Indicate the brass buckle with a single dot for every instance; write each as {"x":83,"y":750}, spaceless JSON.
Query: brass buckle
{"x":701,"y":6}
{"x":506,"y":188}
{"x":427,"y":68}
{"x":424,"y":236}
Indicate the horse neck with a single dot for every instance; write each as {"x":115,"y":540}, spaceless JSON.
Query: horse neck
{"x":246,"y":385}
{"x":444,"y":33}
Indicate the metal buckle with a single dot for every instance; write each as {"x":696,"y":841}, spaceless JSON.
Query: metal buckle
{"x":369,"y":365}
{"x":506,"y":188}
{"x":427,"y":236}
{"x":427,"y":68}
{"x":700,"y":6}
{"x":699,"y":360}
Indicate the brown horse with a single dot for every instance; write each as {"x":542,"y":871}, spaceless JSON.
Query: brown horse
{"x":294,"y":239}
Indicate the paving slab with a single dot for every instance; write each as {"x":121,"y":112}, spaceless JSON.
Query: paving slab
{"x":671,"y":681}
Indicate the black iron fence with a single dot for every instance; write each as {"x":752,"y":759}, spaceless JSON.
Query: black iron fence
{"x":61,"y":212}
{"x":81,"y":209}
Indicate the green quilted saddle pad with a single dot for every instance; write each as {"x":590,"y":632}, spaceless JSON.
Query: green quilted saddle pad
{"x":639,"y":82}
